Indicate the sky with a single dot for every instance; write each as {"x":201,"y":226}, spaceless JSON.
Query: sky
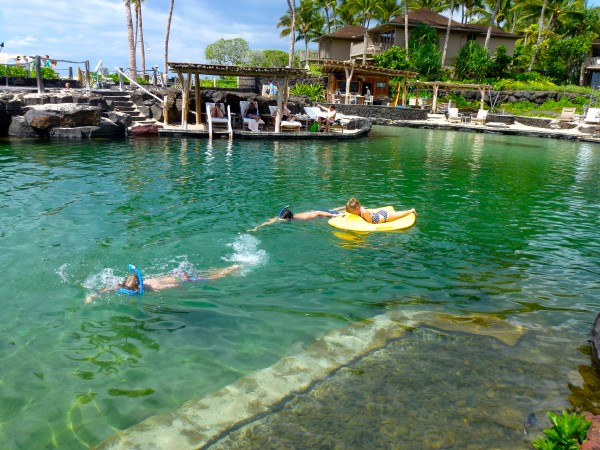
{"x":96,"y":30}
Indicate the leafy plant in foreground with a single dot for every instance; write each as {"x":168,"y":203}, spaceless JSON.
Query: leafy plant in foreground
{"x":567,"y":433}
{"x":314,"y":91}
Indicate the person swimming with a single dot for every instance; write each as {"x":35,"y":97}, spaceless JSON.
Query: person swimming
{"x":286,"y":214}
{"x":135,"y":284}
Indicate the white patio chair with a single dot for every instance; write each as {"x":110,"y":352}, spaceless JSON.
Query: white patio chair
{"x":219,"y":122}
{"x":243,"y":106}
{"x":453,"y":116}
{"x":480,"y":118}
{"x":286,"y":125}
{"x":592,"y":116}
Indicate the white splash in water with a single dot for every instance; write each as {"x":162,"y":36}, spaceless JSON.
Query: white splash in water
{"x":106,"y":277}
{"x":62,"y":273}
{"x":246,"y":251}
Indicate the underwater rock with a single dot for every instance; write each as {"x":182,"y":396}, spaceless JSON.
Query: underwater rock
{"x":595,"y":340}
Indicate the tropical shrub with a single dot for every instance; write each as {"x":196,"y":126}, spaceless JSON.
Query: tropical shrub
{"x":424,"y":53}
{"x":562,"y":58}
{"x":501,"y":62}
{"x":314,"y":91}
{"x":473,"y":62}
{"x":567,"y":432}
{"x":393,"y":58}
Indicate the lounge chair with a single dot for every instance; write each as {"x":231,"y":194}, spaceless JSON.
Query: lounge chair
{"x":453,"y":116}
{"x":592,"y":116}
{"x":286,"y":125}
{"x":480,"y":118}
{"x":243,"y":105}
{"x":567,"y":115}
{"x":219,"y":122}
{"x":314,"y":113}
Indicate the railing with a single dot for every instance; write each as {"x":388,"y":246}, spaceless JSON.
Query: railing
{"x":591,"y":62}
{"x":313,"y":55}
{"x":373,"y":48}
{"x":38,"y":72}
{"x":122,"y":86}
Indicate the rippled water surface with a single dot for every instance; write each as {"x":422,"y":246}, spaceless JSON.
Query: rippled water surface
{"x":507,"y":226}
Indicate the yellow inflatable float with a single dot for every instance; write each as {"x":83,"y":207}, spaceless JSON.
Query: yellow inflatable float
{"x":352,"y":222}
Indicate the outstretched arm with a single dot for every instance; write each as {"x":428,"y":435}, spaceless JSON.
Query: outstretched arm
{"x":98,"y":293}
{"x":215,"y":274}
{"x":268,"y":222}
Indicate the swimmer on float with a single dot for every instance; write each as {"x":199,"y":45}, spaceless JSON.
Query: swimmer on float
{"x":353,"y":207}
{"x":286,"y":214}
{"x":135,"y":284}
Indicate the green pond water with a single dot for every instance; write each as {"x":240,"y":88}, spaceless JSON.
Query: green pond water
{"x":507,"y":226}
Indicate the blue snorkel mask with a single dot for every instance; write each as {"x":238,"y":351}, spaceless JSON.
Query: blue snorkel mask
{"x":140,"y":290}
{"x":281,"y":211}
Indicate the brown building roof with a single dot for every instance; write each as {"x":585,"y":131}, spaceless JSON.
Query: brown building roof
{"x":347,"y":32}
{"x":436,"y":20}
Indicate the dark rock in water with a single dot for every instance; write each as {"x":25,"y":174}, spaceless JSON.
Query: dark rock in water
{"x":20,"y":128}
{"x":595,"y":340}
{"x":145,"y":129}
{"x":62,"y":115}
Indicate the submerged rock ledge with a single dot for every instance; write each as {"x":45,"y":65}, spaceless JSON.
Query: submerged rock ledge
{"x":203,"y":421}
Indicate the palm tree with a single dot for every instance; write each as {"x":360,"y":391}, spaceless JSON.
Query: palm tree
{"x":445,"y":51}
{"x":326,"y":6}
{"x":310,"y":24}
{"x":166,"y":69}
{"x":138,"y":18}
{"x":492,"y":21}
{"x":386,"y":10}
{"x":539,"y":38}
{"x":131,"y":38}
{"x":292,"y":32}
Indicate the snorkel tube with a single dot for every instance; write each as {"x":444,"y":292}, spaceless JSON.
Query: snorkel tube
{"x":281,"y":211}
{"x":140,"y":289}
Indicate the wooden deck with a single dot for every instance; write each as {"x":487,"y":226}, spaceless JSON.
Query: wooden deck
{"x":270,"y":135}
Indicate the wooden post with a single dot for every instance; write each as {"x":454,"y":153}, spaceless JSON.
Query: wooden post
{"x":87,"y":75}
{"x":184,"y":100}
{"x":404,"y":88}
{"x":434,"y":102}
{"x":482,"y":91}
{"x":349,"y":73}
{"x":165,"y":110}
{"x":198,"y":108}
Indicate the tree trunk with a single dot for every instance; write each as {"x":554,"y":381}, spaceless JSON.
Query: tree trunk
{"x":292,"y":6}
{"x":143,"y":44}
{"x":492,"y":21}
{"x":406,"y":26}
{"x":447,"y":35}
{"x":131,"y":38}
{"x":539,"y":39}
{"x":166,"y":69}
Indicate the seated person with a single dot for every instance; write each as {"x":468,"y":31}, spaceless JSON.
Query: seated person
{"x":381,"y":216}
{"x":286,"y":214}
{"x":216,"y":111}
{"x":329,"y":116}
{"x":135,"y":284}
{"x":252,"y":112}
{"x":286,"y":115}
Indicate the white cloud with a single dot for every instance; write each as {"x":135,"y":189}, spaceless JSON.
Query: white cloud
{"x":96,"y":29}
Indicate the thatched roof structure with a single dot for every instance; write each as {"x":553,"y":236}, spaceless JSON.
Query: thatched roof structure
{"x":280,"y":75}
